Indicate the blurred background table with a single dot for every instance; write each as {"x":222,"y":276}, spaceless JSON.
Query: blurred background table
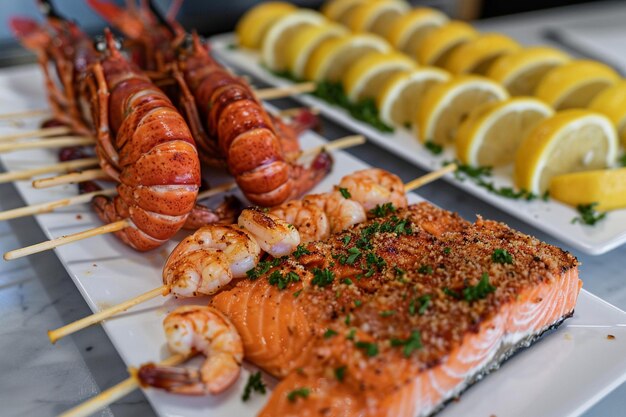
{"x":36,"y":294}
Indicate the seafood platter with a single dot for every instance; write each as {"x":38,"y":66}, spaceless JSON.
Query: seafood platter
{"x":243,"y":265}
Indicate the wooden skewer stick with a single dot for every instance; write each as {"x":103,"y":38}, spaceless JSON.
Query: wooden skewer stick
{"x":24,"y":114}
{"x":290,"y":90}
{"x":64,"y":240}
{"x":430,"y":177}
{"x":37,"y":133}
{"x":60,"y":167}
{"x":102,"y":315}
{"x":59,"y":142}
{"x":346,"y":142}
{"x":216,"y":190}
{"x":116,"y":392}
{"x":68,"y":329}
{"x":297,"y":110}
{"x":53,"y":205}
{"x":72,"y":178}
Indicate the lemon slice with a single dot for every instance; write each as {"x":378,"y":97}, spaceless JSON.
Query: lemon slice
{"x":302,"y":44}
{"x":253,"y":25}
{"x":437,"y":45}
{"x":607,"y":187}
{"x":612,"y":103}
{"x":377,"y":16}
{"x":329,"y":60}
{"x":273,"y":49}
{"x":570,"y":141}
{"x":477,"y":55}
{"x":403,"y":93}
{"x":366,"y":77}
{"x":341,"y":10}
{"x":409,"y":30}
{"x":493,"y":132}
{"x":446,"y":105}
{"x":521,"y":71}
{"x":575,"y":84}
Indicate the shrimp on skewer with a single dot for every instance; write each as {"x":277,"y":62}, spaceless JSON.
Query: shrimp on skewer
{"x":308,"y":218}
{"x":191,"y":329}
{"x":374,"y":186}
{"x":342,"y":212}
{"x":209,"y":259}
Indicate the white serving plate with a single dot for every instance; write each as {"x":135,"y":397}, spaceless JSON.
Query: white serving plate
{"x":562,"y":375}
{"x":550,"y":216}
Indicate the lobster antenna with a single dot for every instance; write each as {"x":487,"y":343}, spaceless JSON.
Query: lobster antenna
{"x":161,"y":19}
{"x":111,"y":45}
{"x":47,"y":9}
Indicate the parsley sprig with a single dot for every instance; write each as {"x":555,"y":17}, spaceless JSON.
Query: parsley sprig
{"x":281,"y":280}
{"x":410,"y":344}
{"x":302,"y":392}
{"x":382,"y":210}
{"x":473,"y":292}
{"x":501,"y":256}
{"x":322,"y":277}
{"x":255,"y":383}
{"x":588,"y":214}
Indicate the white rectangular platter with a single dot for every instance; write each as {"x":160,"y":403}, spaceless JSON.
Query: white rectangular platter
{"x":560,"y":376}
{"x":550,"y":216}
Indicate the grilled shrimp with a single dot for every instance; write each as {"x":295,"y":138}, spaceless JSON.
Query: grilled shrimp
{"x":145,"y":145}
{"x":191,"y":329}
{"x":274,"y":235}
{"x":340,"y":211}
{"x":214,"y":255}
{"x":209,"y":259}
{"x":375,"y":186}
{"x":309,"y":219}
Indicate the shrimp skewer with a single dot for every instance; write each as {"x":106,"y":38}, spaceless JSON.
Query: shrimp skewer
{"x":202,"y":329}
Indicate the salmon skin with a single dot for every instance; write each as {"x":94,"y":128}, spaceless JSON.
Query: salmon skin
{"x":398,"y":315}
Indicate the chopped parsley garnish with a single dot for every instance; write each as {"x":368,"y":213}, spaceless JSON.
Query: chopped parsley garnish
{"x":354,"y":255}
{"x":297,"y":293}
{"x":370,"y":349}
{"x":348,"y":320}
{"x":351,"y":334}
{"x":478,"y":291}
{"x":347,"y":281}
{"x":419,"y":305}
{"x":364,"y":110}
{"x":447,"y":250}
{"x":412,"y":343}
{"x":340,"y":373}
{"x":282,"y":281}
{"x":425,"y":269}
{"x":374,"y":260}
{"x":345,"y":193}
{"x":434,"y":148}
{"x":329,"y":333}
{"x":300,"y":250}
{"x":346,"y":239}
{"x":399,"y":271}
{"x":383,"y":210}
{"x":255,"y":383}
{"x":451,"y":293}
{"x":300,"y":392}
{"x":322,"y":277}
{"x":588,"y":214}
{"x":358,"y":303}
{"x":262,"y":268}
{"x":387,"y":313}
{"x":478,"y":175}
{"x":501,"y":256}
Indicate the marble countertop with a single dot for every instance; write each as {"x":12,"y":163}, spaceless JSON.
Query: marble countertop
{"x":36,"y":294}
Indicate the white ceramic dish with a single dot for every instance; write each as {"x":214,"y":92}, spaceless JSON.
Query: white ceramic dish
{"x":550,"y":216}
{"x":562,"y":375}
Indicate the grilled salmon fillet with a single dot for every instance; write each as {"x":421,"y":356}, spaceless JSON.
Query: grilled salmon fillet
{"x":397,"y":315}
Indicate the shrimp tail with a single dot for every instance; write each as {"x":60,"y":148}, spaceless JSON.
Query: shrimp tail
{"x":307,"y":178}
{"x":225,"y":213}
{"x":173,"y":379}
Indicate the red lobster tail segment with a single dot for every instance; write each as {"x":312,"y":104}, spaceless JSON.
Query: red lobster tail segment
{"x":246,"y":135}
{"x":145,"y":144}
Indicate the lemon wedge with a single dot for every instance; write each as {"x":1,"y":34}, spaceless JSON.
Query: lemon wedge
{"x":437,"y":45}
{"x":606,"y":187}
{"x":377,"y":16}
{"x":476,"y":55}
{"x":302,"y":44}
{"x":570,"y":141}
{"x":403,"y":93}
{"x":409,"y":30}
{"x":273,"y":49}
{"x":612,"y":103}
{"x":252,"y":27}
{"x":521,"y":71}
{"x":446,"y":105}
{"x":367,"y":75}
{"x":493,"y":132}
{"x":575,"y":84}
{"x":330,"y":59}
{"x":341,"y":10}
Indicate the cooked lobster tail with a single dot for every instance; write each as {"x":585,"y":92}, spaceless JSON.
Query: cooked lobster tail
{"x":145,"y":144}
{"x":246,"y":135}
